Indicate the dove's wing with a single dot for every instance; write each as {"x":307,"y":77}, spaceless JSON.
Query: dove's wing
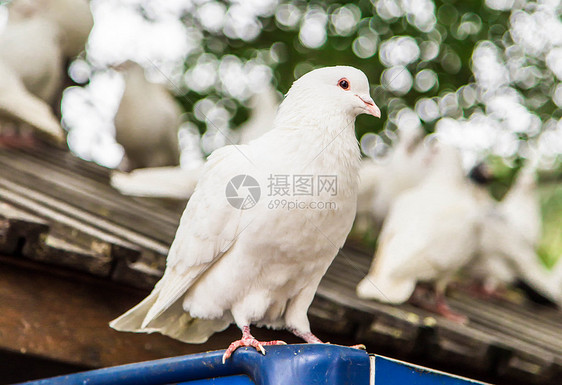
{"x":208,"y":228}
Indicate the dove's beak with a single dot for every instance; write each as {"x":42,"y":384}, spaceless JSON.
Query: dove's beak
{"x":370,"y":106}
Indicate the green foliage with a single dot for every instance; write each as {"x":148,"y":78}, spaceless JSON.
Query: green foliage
{"x":279,"y":47}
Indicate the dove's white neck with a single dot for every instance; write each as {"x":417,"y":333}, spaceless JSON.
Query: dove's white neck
{"x":323,"y":143}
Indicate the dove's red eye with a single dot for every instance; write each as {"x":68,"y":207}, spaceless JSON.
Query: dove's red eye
{"x":344,"y":84}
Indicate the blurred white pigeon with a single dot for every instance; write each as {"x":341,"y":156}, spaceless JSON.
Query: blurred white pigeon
{"x":18,"y":105}
{"x":73,"y":17}
{"x":147,"y":121}
{"x":505,"y":256}
{"x":511,"y":231}
{"x":178,"y":182}
{"x":430,"y":232}
{"x":383,"y":181}
{"x":31,"y":48}
{"x":262,"y":264}
{"x":263,"y":107}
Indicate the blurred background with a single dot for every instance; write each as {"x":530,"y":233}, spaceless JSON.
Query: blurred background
{"x":484,"y":75}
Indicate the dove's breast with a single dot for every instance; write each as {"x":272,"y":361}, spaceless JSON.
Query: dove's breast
{"x":285,"y":243}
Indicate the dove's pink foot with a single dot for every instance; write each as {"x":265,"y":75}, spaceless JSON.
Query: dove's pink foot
{"x":434,"y":300}
{"x":248,"y":340}
{"x":312,"y":339}
{"x":442,"y":308}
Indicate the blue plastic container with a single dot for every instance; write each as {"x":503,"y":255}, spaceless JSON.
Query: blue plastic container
{"x":291,"y":365}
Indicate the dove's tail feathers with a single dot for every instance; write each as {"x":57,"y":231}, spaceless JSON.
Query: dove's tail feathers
{"x":132,"y":320}
{"x":386,"y":290}
{"x":178,"y":324}
{"x":173,"y":322}
{"x":161,"y":182}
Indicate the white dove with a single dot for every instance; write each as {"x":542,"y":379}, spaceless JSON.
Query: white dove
{"x":178,"y":182}
{"x":147,"y":121}
{"x":430,"y":232}
{"x":381,"y":182}
{"x":262,"y":264}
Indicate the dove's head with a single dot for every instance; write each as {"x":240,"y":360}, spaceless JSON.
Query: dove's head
{"x":331,"y":90}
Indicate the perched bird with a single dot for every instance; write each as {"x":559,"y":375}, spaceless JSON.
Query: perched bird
{"x":18,"y":106}
{"x":238,"y":258}
{"x":431,"y":231}
{"x":178,"y":182}
{"x":147,"y":121}
{"x":381,"y":182}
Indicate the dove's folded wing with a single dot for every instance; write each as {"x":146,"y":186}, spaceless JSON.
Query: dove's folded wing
{"x":208,"y":228}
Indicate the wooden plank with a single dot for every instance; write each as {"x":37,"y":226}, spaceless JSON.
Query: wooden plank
{"x":328,"y":317}
{"x":17,"y":225}
{"x":91,"y":250}
{"x":103,"y":203}
{"x":499,"y":319}
{"x":141,"y":274}
{"x":45,"y":206}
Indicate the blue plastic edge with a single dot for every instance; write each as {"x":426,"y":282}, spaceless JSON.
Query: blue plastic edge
{"x":292,"y":364}
{"x":388,"y":371}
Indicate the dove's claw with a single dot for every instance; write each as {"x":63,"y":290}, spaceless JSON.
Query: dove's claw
{"x":359,"y":346}
{"x":248,"y":340}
